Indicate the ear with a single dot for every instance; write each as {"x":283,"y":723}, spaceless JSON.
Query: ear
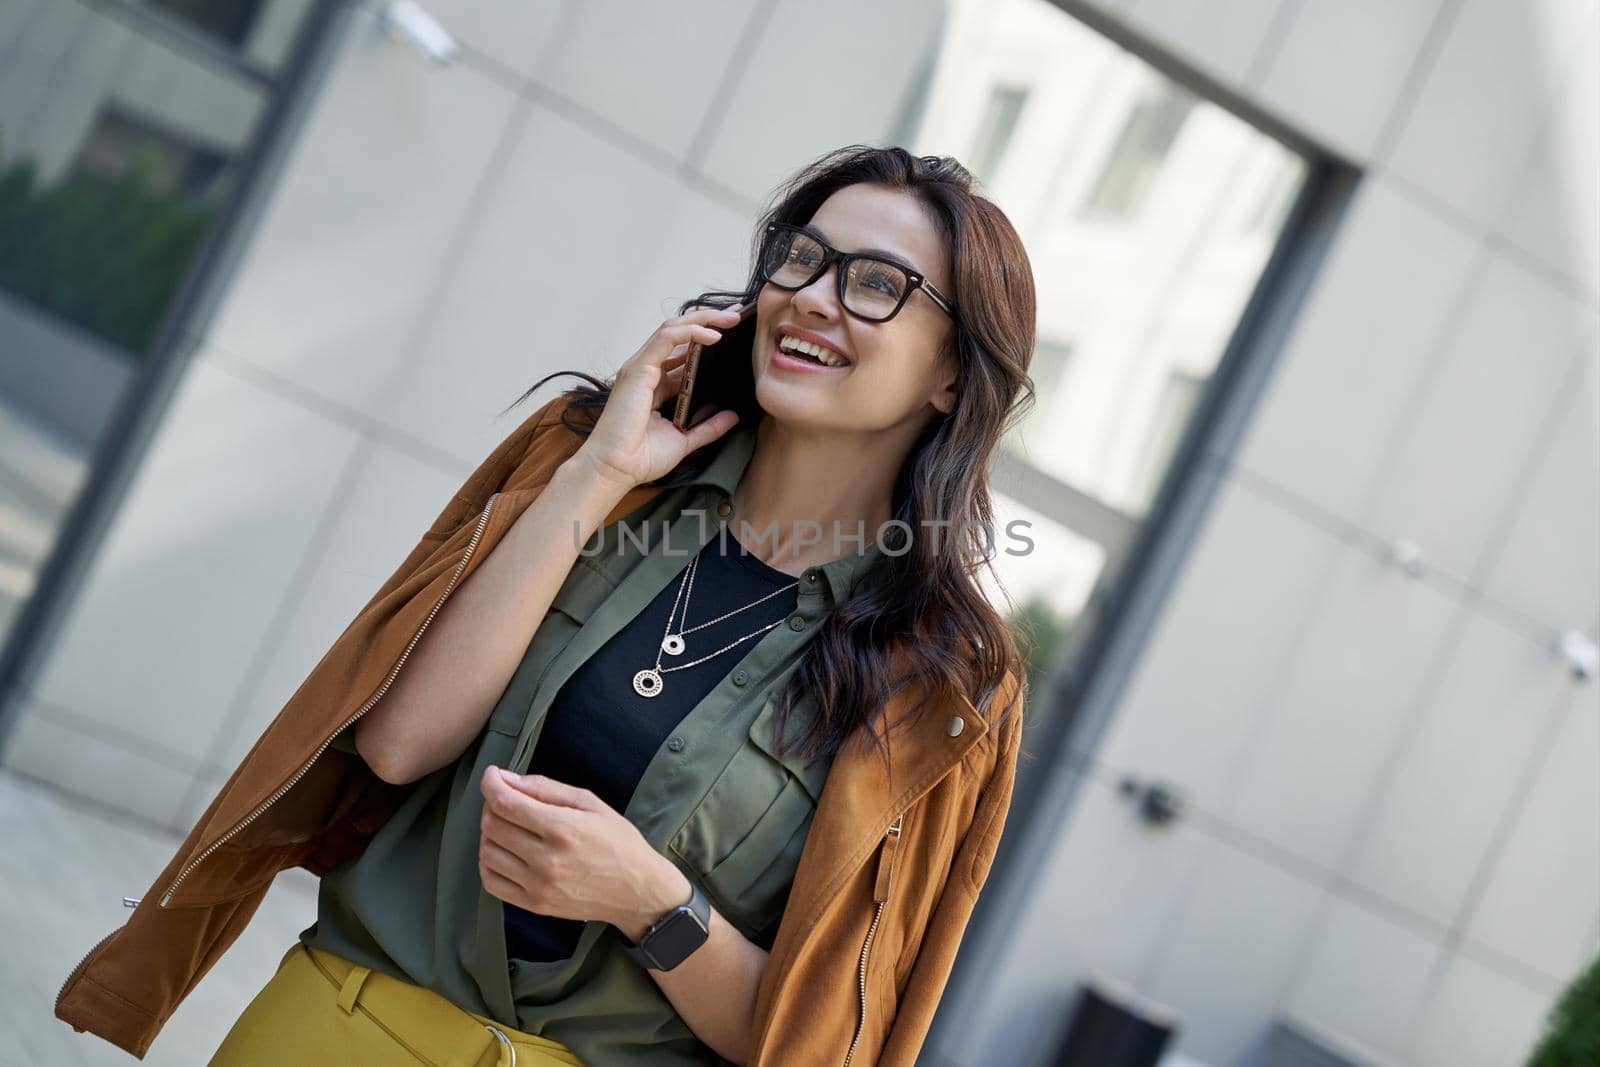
{"x":944,"y":394}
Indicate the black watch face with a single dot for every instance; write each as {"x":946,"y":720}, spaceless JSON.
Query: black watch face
{"x":678,"y":936}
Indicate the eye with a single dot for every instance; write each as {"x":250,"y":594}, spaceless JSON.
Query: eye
{"x":882,"y":278}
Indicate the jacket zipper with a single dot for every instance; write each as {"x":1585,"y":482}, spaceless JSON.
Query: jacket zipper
{"x":483,"y":520}
{"x":79,"y":969}
{"x":880,"y":897}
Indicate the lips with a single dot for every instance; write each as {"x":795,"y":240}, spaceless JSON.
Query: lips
{"x":813,"y":338}
{"x":787,"y":363}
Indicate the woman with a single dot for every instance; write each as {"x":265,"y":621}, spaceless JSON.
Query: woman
{"x":616,"y":903}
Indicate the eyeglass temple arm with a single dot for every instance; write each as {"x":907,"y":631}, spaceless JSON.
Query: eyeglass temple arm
{"x":939,"y":298}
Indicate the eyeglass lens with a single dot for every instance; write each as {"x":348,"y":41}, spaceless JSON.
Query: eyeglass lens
{"x":873,"y":288}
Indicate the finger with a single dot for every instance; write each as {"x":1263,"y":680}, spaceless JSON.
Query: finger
{"x":670,"y":384}
{"x":516,"y":839}
{"x":669,"y":339}
{"x":696,"y":326}
{"x":726,"y":316}
{"x":495,"y":885}
{"x":501,"y":860}
{"x":508,"y":834}
{"x":550,"y":791}
{"x":492,"y":784}
{"x":518,"y":807}
{"x":702,"y":434}
{"x":658,"y":349}
{"x":493,"y":777}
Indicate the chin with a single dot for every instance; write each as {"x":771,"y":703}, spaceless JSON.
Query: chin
{"x":787,"y":403}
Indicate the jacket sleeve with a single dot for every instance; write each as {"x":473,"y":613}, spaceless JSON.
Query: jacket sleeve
{"x":969,"y":870}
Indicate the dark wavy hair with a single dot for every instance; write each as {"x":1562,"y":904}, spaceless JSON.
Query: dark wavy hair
{"x":929,"y":624}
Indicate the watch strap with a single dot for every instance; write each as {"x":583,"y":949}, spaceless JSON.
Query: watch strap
{"x":698,"y":905}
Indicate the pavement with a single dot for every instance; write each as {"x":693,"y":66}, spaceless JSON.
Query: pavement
{"x":65,"y":866}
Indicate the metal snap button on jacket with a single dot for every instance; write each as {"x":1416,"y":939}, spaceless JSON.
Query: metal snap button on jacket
{"x":955,"y":725}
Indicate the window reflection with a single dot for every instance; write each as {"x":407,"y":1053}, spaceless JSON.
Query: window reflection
{"x":994,"y":133}
{"x":122,"y":124}
{"x":120,"y":144}
{"x":1149,"y":214}
{"x":229,"y":20}
{"x":1135,"y":159}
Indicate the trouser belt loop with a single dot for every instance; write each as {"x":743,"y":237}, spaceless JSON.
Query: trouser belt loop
{"x":352,"y":988}
{"x":508,"y":1051}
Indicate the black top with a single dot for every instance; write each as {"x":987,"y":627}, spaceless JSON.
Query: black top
{"x":600,"y":734}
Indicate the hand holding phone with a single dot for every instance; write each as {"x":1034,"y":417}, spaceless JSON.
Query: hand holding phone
{"x":633,"y":441}
{"x":695,"y":358}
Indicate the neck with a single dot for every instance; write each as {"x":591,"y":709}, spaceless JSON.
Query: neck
{"x":801,"y":481}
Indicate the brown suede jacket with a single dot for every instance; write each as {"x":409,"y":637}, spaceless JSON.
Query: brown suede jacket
{"x":887,"y":880}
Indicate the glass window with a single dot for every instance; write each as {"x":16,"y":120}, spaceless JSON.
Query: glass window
{"x":119,"y":149}
{"x":120,"y":145}
{"x":1133,"y":320}
{"x":1141,"y":147}
{"x":230,"y":20}
{"x":994,"y":133}
{"x":1048,"y":371}
{"x":1277,"y":196}
{"x":1176,"y":404}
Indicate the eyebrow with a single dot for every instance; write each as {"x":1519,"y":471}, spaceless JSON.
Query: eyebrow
{"x":881,"y":253}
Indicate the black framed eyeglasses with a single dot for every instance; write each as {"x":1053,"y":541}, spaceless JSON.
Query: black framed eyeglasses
{"x":870,"y":287}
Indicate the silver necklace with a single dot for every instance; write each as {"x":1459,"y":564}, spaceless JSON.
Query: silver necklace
{"x":648,"y":682}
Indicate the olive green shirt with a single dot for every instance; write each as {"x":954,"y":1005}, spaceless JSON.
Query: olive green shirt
{"x":713,"y":799}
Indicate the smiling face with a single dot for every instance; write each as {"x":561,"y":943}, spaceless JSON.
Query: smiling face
{"x":888,"y":374}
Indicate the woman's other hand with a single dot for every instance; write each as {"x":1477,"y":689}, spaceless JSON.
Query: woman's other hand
{"x":633,"y":443}
{"x":559,"y":850}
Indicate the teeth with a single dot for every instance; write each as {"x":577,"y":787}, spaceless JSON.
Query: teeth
{"x":822,"y":355}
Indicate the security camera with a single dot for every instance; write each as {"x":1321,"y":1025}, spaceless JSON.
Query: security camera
{"x":408,"y":21}
{"x":1580,"y":653}
{"x":1409,"y":558}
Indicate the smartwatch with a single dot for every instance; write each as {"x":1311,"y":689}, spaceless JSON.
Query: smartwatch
{"x":671,"y":938}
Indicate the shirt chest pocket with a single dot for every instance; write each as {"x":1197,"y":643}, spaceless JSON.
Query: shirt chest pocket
{"x":745,"y":837}
{"x":576,"y":600}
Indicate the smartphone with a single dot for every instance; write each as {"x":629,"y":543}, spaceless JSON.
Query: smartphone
{"x":713,"y":374}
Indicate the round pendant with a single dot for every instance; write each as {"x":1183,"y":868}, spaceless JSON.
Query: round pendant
{"x":647,"y":683}
{"x":673,"y":646}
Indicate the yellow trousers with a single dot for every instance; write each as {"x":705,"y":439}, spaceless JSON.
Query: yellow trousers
{"x":322,"y":1009}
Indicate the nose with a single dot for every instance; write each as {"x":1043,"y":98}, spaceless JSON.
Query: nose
{"x":821,"y":297}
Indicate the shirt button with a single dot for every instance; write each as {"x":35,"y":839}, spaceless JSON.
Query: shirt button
{"x":955,"y":725}
{"x":811,"y":576}
{"x":724,"y":509}
{"x":739,"y":678}
{"x":676,"y":744}
{"x":797,"y":622}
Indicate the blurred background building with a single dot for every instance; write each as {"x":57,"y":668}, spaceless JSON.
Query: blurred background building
{"x":1313,"y":476}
